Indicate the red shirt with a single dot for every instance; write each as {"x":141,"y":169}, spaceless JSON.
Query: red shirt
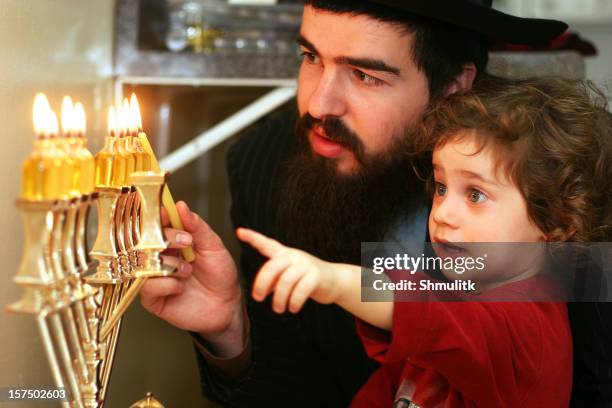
{"x":470,"y":354}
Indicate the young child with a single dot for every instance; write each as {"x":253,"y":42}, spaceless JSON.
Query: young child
{"x":513,"y":161}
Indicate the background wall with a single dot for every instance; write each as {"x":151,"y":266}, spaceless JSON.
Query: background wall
{"x":599,"y":68}
{"x":64,"y":47}
{"x":592,"y":19}
{"x":56,"y":47}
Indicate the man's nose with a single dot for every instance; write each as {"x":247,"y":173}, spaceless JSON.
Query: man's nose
{"x":328,"y":98}
{"x":445,"y":212}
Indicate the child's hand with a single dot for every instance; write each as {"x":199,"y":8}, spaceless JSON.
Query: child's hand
{"x":292,"y":275}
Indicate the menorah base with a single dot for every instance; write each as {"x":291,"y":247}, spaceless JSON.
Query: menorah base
{"x":147,"y":402}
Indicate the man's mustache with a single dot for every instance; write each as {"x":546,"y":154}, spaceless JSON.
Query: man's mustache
{"x":335,"y":130}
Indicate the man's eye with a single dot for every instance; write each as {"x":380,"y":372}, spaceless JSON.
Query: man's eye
{"x":477,"y":196}
{"x":309,"y":57}
{"x":366,"y":79}
{"x":440,"y":189}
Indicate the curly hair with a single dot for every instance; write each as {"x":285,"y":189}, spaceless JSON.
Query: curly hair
{"x":553,"y":138}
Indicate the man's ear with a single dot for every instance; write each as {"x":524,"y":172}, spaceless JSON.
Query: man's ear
{"x":464,"y":80}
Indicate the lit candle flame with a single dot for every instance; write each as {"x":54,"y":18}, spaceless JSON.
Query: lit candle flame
{"x":52,"y":123}
{"x":135,"y":112}
{"x":112,"y":122}
{"x":127,"y":124}
{"x":120,"y":119}
{"x":132,"y":122}
{"x":68,"y":116}
{"x":39,"y":114}
{"x":80,"y":121}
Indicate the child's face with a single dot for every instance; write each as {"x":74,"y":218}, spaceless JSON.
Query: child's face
{"x":474,"y":203}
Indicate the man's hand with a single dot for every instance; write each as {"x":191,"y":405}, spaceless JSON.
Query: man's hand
{"x":293,"y":275}
{"x":203,"y":296}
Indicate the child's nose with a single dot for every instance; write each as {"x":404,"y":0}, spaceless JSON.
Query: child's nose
{"x":444,"y":212}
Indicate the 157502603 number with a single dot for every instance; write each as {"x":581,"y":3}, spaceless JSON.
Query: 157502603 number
{"x":31,"y":394}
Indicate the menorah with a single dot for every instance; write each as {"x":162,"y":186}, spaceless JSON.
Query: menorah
{"x":78,"y":296}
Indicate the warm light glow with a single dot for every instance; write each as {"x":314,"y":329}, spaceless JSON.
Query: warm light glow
{"x":131,"y":122}
{"x":121,"y":119}
{"x":40,"y":113}
{"x":45,"y":120}
{"x":135,"y":112}
{"x":80,"y":122}
{"x":52,"y":123}
{"x":112,"y":122}
{"x":68,"y":116}
{"x":127,"y":125}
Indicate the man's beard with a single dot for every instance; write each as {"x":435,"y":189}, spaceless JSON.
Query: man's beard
{"x":329,"y":214}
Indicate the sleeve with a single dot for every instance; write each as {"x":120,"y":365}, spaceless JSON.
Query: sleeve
{"x":471,"y":344}
{"x":283,"y":360}
{"x":231,"y":369}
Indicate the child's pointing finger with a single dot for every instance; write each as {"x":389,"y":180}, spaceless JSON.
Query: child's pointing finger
{"x":267,"y":277}
{"x":266,"y":246}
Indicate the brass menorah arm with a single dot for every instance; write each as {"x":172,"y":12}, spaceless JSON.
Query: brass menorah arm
{"x":79,"y":298}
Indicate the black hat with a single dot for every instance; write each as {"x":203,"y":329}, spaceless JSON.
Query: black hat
{"x":479,"y":16}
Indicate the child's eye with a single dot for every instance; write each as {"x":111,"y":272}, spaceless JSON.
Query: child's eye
{"x":477,"y":196}
{"x":440,"y":189}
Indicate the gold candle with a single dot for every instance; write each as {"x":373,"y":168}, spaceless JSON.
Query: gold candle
{"x":54,"y":188}
{"x":120,"y":156}
{"x":67,"y":145}
{"x":104,"y":158}
{"x":126,"y":141}
{"x":32,"y":173}
{"x":85,"y":180}
{"x":143,"y":161}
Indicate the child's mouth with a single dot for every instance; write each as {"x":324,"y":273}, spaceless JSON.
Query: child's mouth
{"x":453,"y":249}
{"x":446,"y":249}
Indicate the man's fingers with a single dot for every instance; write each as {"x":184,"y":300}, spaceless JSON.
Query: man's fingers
{"x":188,"y":218}
{"x":155,"y":290}
{"x":191,"y":223}
{"x":165,"y":219}
{"x":204,"y":238}
{"x":184,"y":213}
{"x":266,"y":246}
{"x":284,"y":286}
{"x":267,"y":276}
{"x":177,"y":238}
{"x":302,"y":291}
{"x":172,"y":252}
{"x":183,"y":269}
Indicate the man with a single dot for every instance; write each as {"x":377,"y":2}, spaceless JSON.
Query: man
{"x":335,"y":176}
